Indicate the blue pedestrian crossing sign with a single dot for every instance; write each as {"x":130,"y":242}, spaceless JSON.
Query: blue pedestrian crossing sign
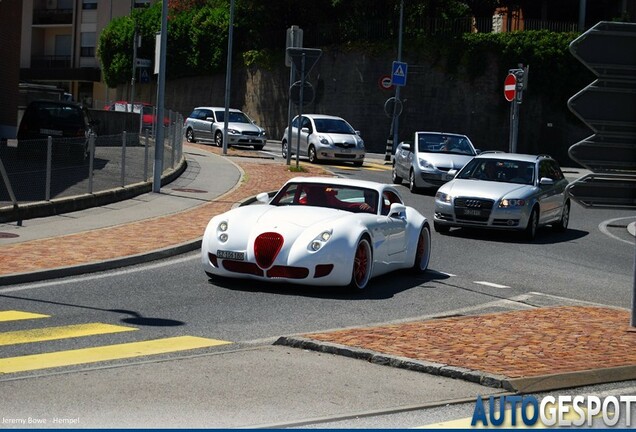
{"x":398,"y":74}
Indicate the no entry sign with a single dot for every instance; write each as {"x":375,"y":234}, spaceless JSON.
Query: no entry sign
{"x":510,"y":87}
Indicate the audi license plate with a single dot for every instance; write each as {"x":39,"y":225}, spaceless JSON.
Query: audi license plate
{"x":233,"y":255}
{"x":471,"y":212}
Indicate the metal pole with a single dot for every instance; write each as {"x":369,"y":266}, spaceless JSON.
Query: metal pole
{"x":515,"y":126}
{"x":123,"y":159}
{"x":633,"y":319}
{"x":300,"y":109}
{"x":134,"y":72}
{"x":146,"y":144}
{"x":91,"y":156}
{"x":161,"y":85}
{"x":395,"y":123}
{"x":582,"y":8}
{"x":49,"y":157}
{"x":228,"y":78}
{"x":292,"y":75}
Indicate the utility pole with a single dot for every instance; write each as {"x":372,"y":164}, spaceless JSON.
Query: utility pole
{"x":228,"y":77}
{"x":396,"y":115}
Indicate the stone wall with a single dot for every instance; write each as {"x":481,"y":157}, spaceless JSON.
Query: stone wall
{"x":347,"y":84}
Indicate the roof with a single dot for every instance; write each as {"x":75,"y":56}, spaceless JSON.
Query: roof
{"x":441,"y":133}
{"x":512,"y":156}
{"x":213,"y":108}
{"x":342,"y":182}
{"x":324,"y":116}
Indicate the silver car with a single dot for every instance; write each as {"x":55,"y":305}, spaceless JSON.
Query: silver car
{"x":324,"y":137}
{"x":426,"y":161}
{"x":207,"y":123}
{"x":505,"y":191}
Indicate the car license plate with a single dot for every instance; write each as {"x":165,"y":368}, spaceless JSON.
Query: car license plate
{"x":346,"y":150}
{"x":233,"y":255}
{"x":472,"y":212}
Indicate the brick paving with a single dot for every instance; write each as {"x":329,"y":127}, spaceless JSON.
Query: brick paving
{"x":517,"y":344}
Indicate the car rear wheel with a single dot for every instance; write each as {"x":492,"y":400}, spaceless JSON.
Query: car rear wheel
{"x":562,"y":224}
{"x":190,"y":136}
{"x":423,"y":252}
{"x":313,"y":158}
{"x":394,"y":176}
{"x":533,"y":223}
{"x":218,"y":139}
{"x":362,"y":264}
{"x":284,"y":149}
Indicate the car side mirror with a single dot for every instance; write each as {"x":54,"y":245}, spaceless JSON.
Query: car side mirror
{"x":397,"y":211}
{"x":452,"y":173}
{"x":546,"y":181}
{"x":209,"y":119}
{"x":262,"y":197}
{"x":357,"y":132}
{"x":305,"y":129}
{"x":406,"y":146}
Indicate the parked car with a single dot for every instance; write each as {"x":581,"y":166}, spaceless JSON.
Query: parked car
{"x":146,"y":110}
{"x":324,"y":137}
{"x":318,"y":231}
{"x":68,"y":123}
{"x":505,"y":191}
{"x":207,"y":123}
{"x":427,"y":160}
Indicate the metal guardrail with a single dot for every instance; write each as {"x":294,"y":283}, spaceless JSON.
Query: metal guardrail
{"x":40,"y":171}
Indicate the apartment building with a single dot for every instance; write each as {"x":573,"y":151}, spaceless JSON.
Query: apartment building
{"x":59,"y":44}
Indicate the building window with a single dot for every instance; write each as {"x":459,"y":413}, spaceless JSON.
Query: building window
{"x":87,"y":44}
{"x":89,"y":4}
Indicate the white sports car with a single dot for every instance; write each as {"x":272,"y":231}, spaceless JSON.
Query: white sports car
{"x":318,"y":231}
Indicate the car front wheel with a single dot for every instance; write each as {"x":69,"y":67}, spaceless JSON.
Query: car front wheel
{"x":190,"y":136}
{"x":533,"y":223}
{"x":313,"y":158}
{"x":284,"y":149}
{"x":218,"y":139}
{"x":362,"y":264}
{"x":412,"y":186}
{"x":394,"y":176}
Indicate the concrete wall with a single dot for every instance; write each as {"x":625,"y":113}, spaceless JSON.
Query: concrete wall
{"x":347,"y":84}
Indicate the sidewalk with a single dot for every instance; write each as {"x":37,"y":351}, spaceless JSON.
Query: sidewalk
{"x":526,"y":351}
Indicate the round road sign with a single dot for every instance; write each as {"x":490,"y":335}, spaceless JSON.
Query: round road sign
{"x":385,"y":82}
{"x":510,"y":87}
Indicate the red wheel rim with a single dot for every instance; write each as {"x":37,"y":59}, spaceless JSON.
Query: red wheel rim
{"x":361,"y":263}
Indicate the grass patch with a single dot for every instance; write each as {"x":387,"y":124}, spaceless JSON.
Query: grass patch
{"x":299,"y":168}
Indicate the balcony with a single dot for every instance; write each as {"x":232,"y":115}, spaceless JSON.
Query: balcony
{"x":43,"y":16}
{"x":51,"y":62}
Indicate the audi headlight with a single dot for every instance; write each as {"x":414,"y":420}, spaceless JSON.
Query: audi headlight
{"x":511,"y":203}
{"x":443,"y":197}
{"x":317,"y":243}
{"x":424,"y":164}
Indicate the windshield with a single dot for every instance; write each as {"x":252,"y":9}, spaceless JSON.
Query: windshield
{"x":349,"y":198}
{"x":507,"y":171}
{"x":440,"y":143}
{"x":333,"y":126}
{"x":235,"y":117}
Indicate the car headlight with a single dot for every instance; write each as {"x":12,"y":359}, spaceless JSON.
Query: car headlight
{"x":443,"y":197}
{"x":511,"y":203}
{"x":221,"y":231}
{"x":424,"y":164}
{"x":361,"y":143}
{"x":262,"y":132}
{"x":317,"y":243}
{"x":233,"y":132}
{"x":323,"y":140}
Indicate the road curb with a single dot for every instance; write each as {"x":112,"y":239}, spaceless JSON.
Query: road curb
{"x":524,"y":385}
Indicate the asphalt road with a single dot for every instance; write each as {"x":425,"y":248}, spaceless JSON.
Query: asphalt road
{"x":246,"y":382}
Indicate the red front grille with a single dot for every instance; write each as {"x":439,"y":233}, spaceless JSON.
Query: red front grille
{"x":242,"y":267}
{"x":266,"y":248}
{"x":288,"y":272}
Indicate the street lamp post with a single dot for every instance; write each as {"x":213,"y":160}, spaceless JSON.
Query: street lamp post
{"x":395,"y":123}
{"x":228,"y":78}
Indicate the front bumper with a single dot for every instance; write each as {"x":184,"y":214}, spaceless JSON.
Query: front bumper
{"x":247,"y":139}
{"x":459,"y":214}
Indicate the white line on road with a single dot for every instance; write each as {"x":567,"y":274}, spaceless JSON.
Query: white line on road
{"x":603,"y":228}
{"x":490,"y":284}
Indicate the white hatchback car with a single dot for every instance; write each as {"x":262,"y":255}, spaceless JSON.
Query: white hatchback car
{"x":324,"y":137}
{"x":207,"y":123}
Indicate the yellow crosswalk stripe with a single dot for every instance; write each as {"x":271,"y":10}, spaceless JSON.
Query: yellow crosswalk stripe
{"x":62,"y":332}
{"x":13,"y":315}
{"x":105,"y":353}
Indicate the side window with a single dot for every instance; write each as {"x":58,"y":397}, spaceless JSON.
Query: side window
{"x":306,"y":124}
{"x":557,"y":174}
{"x":544,"y":170}
{"x":295,"y":122}
{"x":389,"y":198}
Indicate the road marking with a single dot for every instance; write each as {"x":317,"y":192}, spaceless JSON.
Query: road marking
{"x":603,"y":227}
{"x":490,"y":284}
{"x":105,"y":353}
{"x":14,"y":315}
{"x":62,"y":332}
